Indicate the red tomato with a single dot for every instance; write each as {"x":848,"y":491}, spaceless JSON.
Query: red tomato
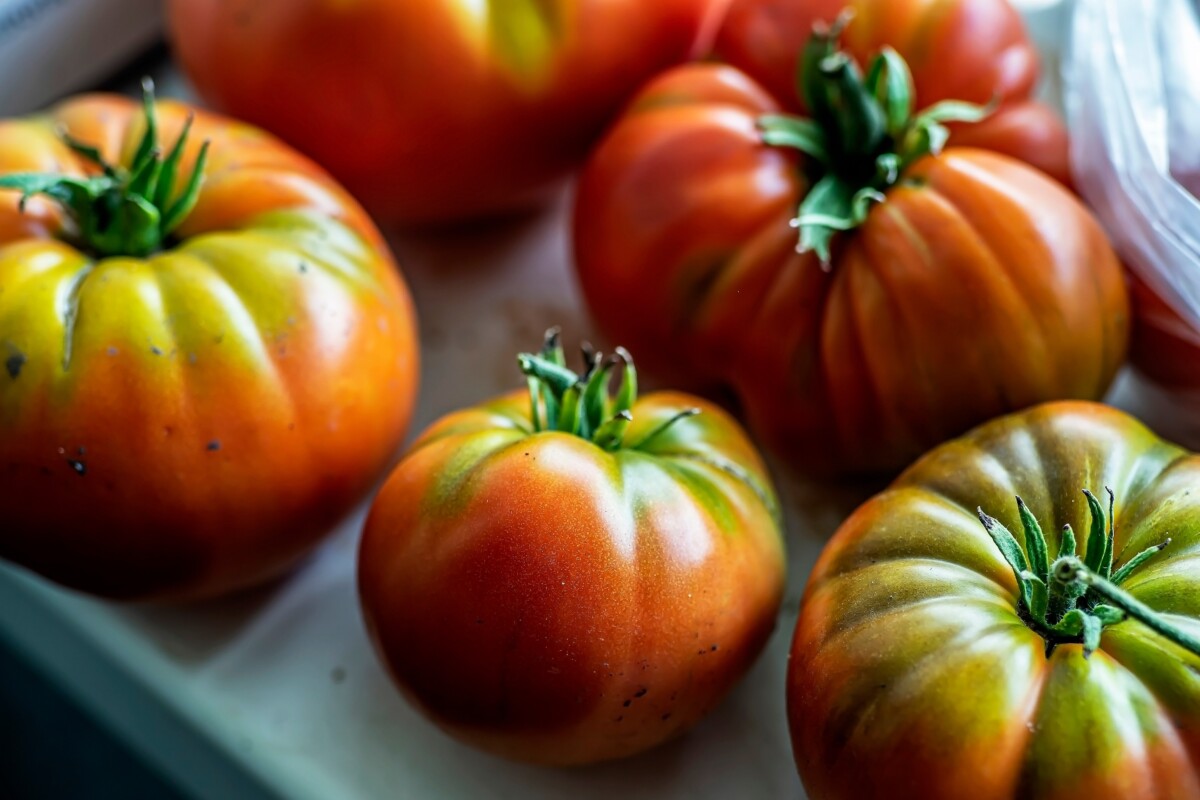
{"x":192,"y":395}
{"x":432,"y":110}
{"x":971,"y":50}
{"x":968,"y":284}
{"x":928,"y":664}
{"x":1165,"y":347}
{"x":576,"y":587}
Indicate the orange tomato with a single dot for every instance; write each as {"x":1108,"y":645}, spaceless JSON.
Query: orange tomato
{"x":190,"y":419}
{"x":565,"y":593}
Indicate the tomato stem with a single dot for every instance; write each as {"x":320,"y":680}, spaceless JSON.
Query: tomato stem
{"x":861,"y":136}
{"x":581,"y":404}
{"x":1073,"y":599}
{"x":1072,"y":571}
{"x":122,"y":212}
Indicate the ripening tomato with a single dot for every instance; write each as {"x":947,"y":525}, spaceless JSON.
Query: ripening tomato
{"x":943,"y":653}
{"x":931,"y":290}
{"x":566,"y":578}
{"x":969,"y":50}
{"x":433,"y":110}
{"x":209,"y":355}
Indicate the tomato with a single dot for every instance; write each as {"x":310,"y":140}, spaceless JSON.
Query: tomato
{"x":1165,"y":346}
{"x":434,"y":110}
{"x":956,"y":286}
{"x":972,"y":50}
{"x":923,"y":667}
{"x":193,"y":395}
{"x":578,"y":585}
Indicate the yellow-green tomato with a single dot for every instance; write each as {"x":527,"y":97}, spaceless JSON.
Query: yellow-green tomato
{"x":208,"y":354}
{"x":955,"y":642}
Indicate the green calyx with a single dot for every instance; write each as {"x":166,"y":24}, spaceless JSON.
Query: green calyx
{"x":1072,"y":599}
{"x":122,"y":212}
{"x":581,"y":404}
{"x":861,"y":137}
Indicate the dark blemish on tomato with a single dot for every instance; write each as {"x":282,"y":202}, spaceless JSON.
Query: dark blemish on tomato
{"x":14,"y":363}
{"x":81,"y":450}
{"x":79,"y":467}
{"x":713,"y":648}
{"x":641,"y":692}
{"x":627,"y":703}
{"x":219,"y":338}
{"x":156,"y":350}
{"x":303,"y":267}
{"x":191,"y":358}
{"x":620,"y":718}
{"x":338,"y":675}
{"x":112,"y":351}
{"x":214,"y":446}
{"x":168,"y":431}
{"x":666,"y":716}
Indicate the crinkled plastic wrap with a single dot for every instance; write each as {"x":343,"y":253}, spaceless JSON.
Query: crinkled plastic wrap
{"x":1132,"y":94}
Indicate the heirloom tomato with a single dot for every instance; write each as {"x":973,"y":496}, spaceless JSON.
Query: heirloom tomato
{"x":969,"y":50}
{"x":1165,"y":345}
{"x":930,"y":289}
{"x":563,"y":578}
{"x":209,"y":356}
{"x":1051,"y":651}
{"x":434,"y":110}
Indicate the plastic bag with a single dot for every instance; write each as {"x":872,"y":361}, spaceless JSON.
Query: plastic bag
{"x":1132,"y":99}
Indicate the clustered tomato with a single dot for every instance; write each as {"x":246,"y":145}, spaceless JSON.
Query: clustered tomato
{"x":567,"y":578}
{"x":956,"y":286}
{"x":975,"y":51}
{"x":1164,"y":346}
{"x":855,"y":224}
{"x":434,"y":110}
{"x":209,"y":356}
{"x":938,"y":657}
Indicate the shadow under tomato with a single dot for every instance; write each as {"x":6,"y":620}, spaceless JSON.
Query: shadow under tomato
{"x":53,"y":750}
